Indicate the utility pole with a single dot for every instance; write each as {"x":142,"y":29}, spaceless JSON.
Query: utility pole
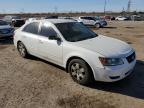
{"x":129,"y":6}
{"x":55,"y":9}
{"x":123,"y":11}
{"x":105,"y":3}
{"x":22,"y":11}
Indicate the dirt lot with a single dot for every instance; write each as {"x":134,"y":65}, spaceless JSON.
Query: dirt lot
{"x":34,"y":83}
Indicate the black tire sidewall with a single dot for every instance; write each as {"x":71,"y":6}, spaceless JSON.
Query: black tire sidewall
{"x":97,"y":25}
{"x":88,"y":73}
{"x":26,"y":54}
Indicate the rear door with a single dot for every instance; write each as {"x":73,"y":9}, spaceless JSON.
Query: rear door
{"x":91,"y":21}
{"x":30,"y":37}
{"x":85,"y":20}
{"x":49,"y":49}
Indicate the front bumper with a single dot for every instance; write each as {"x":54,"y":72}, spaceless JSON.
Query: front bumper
{"x":6,"y":35}
{"x":114,"y":73}
{"x":7,"y":32}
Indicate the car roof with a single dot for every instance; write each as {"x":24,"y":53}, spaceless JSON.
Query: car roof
{"x":55,"y":21}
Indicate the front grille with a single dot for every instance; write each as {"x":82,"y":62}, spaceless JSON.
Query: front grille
{"x":131,"y":58}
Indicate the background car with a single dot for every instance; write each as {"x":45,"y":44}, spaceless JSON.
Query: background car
{"x":51,"y":17}
{"x":121,"y":18}
{"x":5,"y":30}
{"x":31,"y":19}
{"x":137,"y":17}
{"x":106,"y":17}
{"x":112,"y":18}
{"x":16,"y":21}
{"x":92,"y":21}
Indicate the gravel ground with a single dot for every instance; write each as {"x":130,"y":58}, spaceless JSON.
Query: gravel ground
{"x":35,"y":83}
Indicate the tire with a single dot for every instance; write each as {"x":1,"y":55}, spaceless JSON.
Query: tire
{"x":97,"y":26}
{"x":80,"y":72}
{"x":13,"y":24}
{"x":22,"y":50}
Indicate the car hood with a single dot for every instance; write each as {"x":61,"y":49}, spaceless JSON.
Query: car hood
{"x":106,"y":46}
{"x":5,"y":27}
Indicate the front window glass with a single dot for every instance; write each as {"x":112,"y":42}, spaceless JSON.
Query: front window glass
{"x":75,"y":31}
{"x":47,"y":31}
{"x":32,"y":28}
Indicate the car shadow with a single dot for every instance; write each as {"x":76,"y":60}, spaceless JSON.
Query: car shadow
{"x":110,"y":27}
{"x":31,"y":57}
{"x":132,"y":86}
{"x":130,"y":27}
{"x":6,"y":41}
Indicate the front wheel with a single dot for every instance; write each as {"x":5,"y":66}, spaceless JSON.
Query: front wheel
{"x":80,"y":72}
{"x":22,"y":50}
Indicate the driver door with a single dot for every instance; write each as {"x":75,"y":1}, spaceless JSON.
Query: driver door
{"x":49,"y":49}
{"x":91,"y":21}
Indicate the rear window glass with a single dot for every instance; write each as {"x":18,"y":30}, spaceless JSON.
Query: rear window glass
{"x":32,"y":28}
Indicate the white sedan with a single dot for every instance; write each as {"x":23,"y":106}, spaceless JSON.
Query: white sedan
{"x":86,"y":55}
{"x":120,"y":18}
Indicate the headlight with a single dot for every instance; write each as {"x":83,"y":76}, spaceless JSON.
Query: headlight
{"x":111,"y":61}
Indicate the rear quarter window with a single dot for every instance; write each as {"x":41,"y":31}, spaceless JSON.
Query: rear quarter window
{"x":32,"y":28}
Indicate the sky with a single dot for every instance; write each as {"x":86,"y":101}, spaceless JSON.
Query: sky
{"x":32,"y":6}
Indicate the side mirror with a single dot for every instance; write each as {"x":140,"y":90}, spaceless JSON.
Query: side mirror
{"x":53,"y":37}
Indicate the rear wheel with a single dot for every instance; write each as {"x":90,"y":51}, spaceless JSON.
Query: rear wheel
{"x":80,"y":72}
{"x":22,"y":50}
{"x":97,"y":26}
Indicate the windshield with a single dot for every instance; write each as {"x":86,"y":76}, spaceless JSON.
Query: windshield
{"x":75,"y":31}
{"x":16,"y":17}
{"x":3,"y":23}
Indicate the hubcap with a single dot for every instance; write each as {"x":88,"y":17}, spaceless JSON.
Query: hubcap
{"x":21,"y":49}
{"x":78,"y":72}
{"x":97,"y":25}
